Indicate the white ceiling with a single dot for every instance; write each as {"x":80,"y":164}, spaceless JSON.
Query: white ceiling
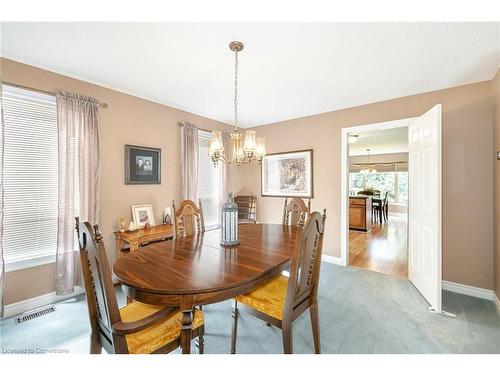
{"x":380,"y":142}
{"x":286,"y":70}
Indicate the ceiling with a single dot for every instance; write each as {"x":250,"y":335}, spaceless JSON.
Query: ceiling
{"x":386,"y":141}
{"x":286,"y":70}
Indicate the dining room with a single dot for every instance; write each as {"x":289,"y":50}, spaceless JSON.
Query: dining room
{"x":161,"y":218}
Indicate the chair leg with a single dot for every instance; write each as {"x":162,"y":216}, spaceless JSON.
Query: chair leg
{"x":286,"y":330}
{"x":95,"y":344}
{"x":313,"y":310}
{"x":200,"y":341}
{"x":234,"y":330}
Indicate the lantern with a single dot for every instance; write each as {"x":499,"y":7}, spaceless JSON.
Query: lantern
{"x":230,"y":222}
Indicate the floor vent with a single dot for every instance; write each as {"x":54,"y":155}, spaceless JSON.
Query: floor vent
{"x":32,"y":314}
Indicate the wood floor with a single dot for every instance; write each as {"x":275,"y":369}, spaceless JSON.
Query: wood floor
{"x":384,"y":249}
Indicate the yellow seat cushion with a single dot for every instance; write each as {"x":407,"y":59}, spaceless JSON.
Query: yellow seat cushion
{"x":268,"y":298}
{"x":157,"y":335}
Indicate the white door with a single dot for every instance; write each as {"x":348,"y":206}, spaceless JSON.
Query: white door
{"x":424,"y":255}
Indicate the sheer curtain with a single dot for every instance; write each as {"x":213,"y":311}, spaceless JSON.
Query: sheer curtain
{"x":189,"y":161}
{"x":79,"y":179}
{"x":2,"y":265}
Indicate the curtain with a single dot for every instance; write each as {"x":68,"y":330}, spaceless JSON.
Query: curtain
{"x":224,"y":174}
{"x":79,"y":179}
{"x":2,"y":265}
{"x":189,"y":161}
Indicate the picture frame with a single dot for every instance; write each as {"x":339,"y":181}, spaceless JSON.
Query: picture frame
{"x":142,"y":213}
{"x":142,"y":165}
{"x":288,"y":174}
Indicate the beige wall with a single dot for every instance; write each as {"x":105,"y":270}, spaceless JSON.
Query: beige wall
{"x":496,"y":116}
{"x":467,"y":171}
{"x":128,"y":120}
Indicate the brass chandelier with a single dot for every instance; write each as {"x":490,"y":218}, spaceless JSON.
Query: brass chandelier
{"x":242,"y":152}
{"x":368,"y":169}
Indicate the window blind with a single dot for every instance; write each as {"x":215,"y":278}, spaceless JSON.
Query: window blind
{"x":30,"y":175}
{"x":208,"y":182}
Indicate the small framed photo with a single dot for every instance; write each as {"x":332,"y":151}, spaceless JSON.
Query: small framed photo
{"x":287,"y":174}
{"x":142,"y":165}
{"x":142,"y":214}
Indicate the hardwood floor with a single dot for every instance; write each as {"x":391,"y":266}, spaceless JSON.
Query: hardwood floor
{"x":384,"y":249}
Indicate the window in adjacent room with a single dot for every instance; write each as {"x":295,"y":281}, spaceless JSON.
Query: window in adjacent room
{"x":30,"y":177}
{"x":396,"y":183}
{"x":208,"y":182}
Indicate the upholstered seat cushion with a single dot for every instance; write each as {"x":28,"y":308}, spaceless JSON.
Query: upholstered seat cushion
{"x":159,"y":334}
{"x":268,"y":298}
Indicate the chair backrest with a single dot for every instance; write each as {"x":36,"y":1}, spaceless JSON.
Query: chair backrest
{"x":296,"y":212}
{"x":188,"y":219}
{"x":99,"y":289}
{"x":306,"y":262}
{"x":247,"y":207}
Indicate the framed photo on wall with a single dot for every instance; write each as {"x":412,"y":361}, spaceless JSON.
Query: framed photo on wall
{"x":142,"y":165}
{"x":142,"y":214}
{"x":287,"y":174}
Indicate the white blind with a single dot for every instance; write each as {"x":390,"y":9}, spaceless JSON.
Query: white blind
{"x":208,"y":182}
{"x":30,"y":174}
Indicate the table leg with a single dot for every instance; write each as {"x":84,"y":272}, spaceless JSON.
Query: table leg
{"x":134,"y":246}
{"x":186,"y":331}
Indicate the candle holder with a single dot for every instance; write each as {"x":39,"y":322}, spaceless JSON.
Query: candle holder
{"x":230,"y":222}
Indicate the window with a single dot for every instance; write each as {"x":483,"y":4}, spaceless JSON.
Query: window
{"x":208,"y":182}
{"x":30,"y":177}
{"x":396,"y":183}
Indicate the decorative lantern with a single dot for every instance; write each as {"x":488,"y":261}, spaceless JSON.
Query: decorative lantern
{"x":230,"y":222}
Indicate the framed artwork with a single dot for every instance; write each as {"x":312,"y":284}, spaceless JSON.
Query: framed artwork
{"x":142,"y":165}
{"x":287,"y":174}
{"x":142,"y":214}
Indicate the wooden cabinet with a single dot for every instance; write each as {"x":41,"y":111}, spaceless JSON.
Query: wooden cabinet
{"x":360,"y":213}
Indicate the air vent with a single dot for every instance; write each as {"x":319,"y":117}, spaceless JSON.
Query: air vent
{"x":32,"y":314}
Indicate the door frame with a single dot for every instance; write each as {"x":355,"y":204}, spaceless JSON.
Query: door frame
{"x":344,"y":180}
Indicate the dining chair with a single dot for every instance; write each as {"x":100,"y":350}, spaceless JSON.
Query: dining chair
{"x":295,"y":212}
{"x":188,"y":218}
{"x":247,"y":208}
{"x":137,"y":328}
{"x":283,"y":299}
{"x":385,"y":206}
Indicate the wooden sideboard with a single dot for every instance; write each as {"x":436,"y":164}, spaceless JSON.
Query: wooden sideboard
{"x":140,"y":237}
{"x":360,"y":213}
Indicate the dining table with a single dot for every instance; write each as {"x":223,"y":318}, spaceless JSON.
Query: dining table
{"x":197,"y":270}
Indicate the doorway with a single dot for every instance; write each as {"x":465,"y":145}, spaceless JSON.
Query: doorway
{"x":424,"y":223}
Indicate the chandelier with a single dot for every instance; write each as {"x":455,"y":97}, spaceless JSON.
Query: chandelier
{"x":367,"y":167}
{"x":242,"y":152}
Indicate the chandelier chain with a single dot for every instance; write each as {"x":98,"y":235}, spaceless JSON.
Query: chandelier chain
{"x":236,"y":90}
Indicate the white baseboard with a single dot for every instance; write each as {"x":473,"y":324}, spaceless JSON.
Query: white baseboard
{"x":332,"y":259}
{"x":497,"y":302}
{"x":469,"y":290}
{"x":35,"y":302}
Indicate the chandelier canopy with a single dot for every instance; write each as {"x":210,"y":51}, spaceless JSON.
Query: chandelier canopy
{"x":242,"y":152}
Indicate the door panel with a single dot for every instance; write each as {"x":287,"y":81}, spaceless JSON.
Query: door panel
{"x":424,"y":268}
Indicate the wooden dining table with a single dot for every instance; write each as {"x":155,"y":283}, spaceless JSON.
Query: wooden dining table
{"x":197,"y":270}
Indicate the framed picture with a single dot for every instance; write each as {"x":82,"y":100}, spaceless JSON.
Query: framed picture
{"x":142,"y":214}
{"x":287,"y":174}
{"x":142,"y":165}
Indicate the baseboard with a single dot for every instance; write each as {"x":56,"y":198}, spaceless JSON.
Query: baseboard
{"x":35,"y":302}
{"x":497,"y":302}
{"x":469,"y":290}
{"x":332,"y":259}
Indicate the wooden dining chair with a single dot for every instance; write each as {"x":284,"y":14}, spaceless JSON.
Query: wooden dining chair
{"x":283,"y":299}
{"x":247,"y":208}
{"x":296,"y":212}
{"x":188,"y":219}
{"x":137,"y":328}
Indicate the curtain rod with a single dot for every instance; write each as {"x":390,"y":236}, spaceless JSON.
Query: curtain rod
{"x":101,"y":104}
{"x":205,"y":130}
